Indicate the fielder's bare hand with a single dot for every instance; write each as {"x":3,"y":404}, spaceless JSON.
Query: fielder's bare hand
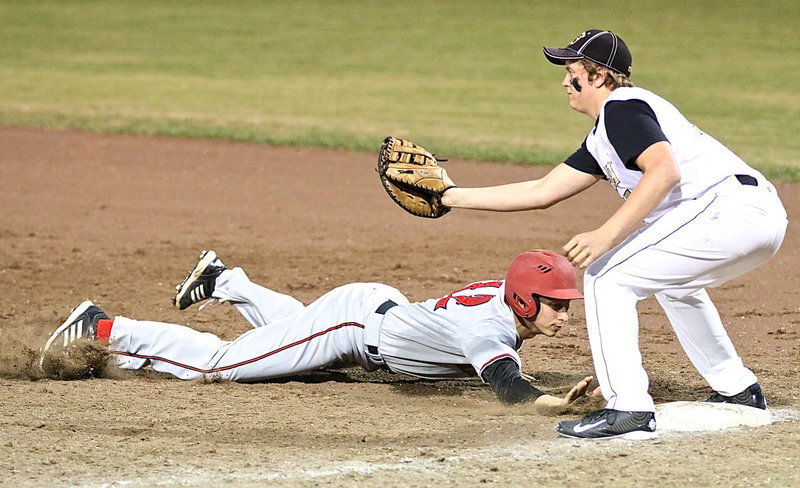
{"x":583,"y":249}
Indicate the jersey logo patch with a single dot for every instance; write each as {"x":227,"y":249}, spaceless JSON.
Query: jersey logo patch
{"x":608,"y":169}
{"x":469,"y":300}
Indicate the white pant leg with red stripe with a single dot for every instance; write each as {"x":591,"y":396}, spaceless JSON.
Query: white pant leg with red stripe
{"x":327,"y":331}
{"x":259,"y":305}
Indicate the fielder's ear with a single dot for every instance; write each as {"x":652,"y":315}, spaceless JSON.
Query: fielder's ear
{"x":600,"y":77}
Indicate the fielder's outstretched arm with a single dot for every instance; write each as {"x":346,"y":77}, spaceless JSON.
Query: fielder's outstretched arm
{"x":559,"y":184}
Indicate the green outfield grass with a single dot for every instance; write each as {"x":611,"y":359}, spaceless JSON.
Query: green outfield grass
{"x":464,"y":78}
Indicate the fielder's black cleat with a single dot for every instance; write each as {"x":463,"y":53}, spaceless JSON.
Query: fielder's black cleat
{"x":607,"y":424}
{"x":199,"y":285}
{"x":751,"y":396}
{"x":81,"y":323}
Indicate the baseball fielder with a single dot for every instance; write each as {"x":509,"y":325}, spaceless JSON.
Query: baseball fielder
{"x":475,"y":330}
{"x":708,"y":217}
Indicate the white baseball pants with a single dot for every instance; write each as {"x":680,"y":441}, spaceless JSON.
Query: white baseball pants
{"x":701,"y":243}
{"x":287,"y":338}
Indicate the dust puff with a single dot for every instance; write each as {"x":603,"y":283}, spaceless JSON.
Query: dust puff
{"x":20,"y":353}
{"x":83,"y":359}
{"x":17,"y":358}
{"x":215,"y":378}
{"x":19,"y":361}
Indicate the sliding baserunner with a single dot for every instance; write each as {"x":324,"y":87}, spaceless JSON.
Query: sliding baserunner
{"x":474,"y":331}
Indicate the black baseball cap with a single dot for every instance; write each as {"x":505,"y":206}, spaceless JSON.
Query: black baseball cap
{"x":601,"y":46}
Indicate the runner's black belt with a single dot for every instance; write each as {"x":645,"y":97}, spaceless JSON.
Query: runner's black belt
{"x":385,"y":306}
{"x":381,"y":310}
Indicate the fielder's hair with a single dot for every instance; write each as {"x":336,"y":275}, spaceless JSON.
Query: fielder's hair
{"x":613,"y":81}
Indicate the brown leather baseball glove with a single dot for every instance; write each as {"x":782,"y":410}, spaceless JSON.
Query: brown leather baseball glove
{"x":413,"y":178}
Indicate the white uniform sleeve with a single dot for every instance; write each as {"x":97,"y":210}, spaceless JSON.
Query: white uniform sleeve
{"x":487,"y":342}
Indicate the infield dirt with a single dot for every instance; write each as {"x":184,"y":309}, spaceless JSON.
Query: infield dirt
{"x":121,"y":219}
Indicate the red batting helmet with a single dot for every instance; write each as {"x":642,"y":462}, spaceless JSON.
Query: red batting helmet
{"x":539,"y":273}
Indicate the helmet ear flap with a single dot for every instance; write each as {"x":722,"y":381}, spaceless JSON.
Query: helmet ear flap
{"x":532,"y":308}
{"x":537,"y":305}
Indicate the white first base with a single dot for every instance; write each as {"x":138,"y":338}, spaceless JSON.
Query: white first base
{"x":699,"y":416}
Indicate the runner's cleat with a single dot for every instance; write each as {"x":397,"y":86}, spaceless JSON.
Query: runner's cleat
{"x":81,"y":323}
{"x":199,"y":285}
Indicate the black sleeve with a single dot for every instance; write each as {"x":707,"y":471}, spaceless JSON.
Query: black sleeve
{"x":504,"y":378}
{"x":632,"y":127}
{"x":583,"y":161}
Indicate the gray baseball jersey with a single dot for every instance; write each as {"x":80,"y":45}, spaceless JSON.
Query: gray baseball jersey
{"x":457,"y":335}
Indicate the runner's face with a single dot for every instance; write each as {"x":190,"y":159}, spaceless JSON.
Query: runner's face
{"x":552,"y":316}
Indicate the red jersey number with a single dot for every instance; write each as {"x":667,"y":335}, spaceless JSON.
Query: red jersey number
{"x":469,"y":300}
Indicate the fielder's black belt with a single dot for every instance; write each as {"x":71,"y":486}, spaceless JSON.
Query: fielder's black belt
{"x":747,"y":180}
{"x":385,"y":307}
